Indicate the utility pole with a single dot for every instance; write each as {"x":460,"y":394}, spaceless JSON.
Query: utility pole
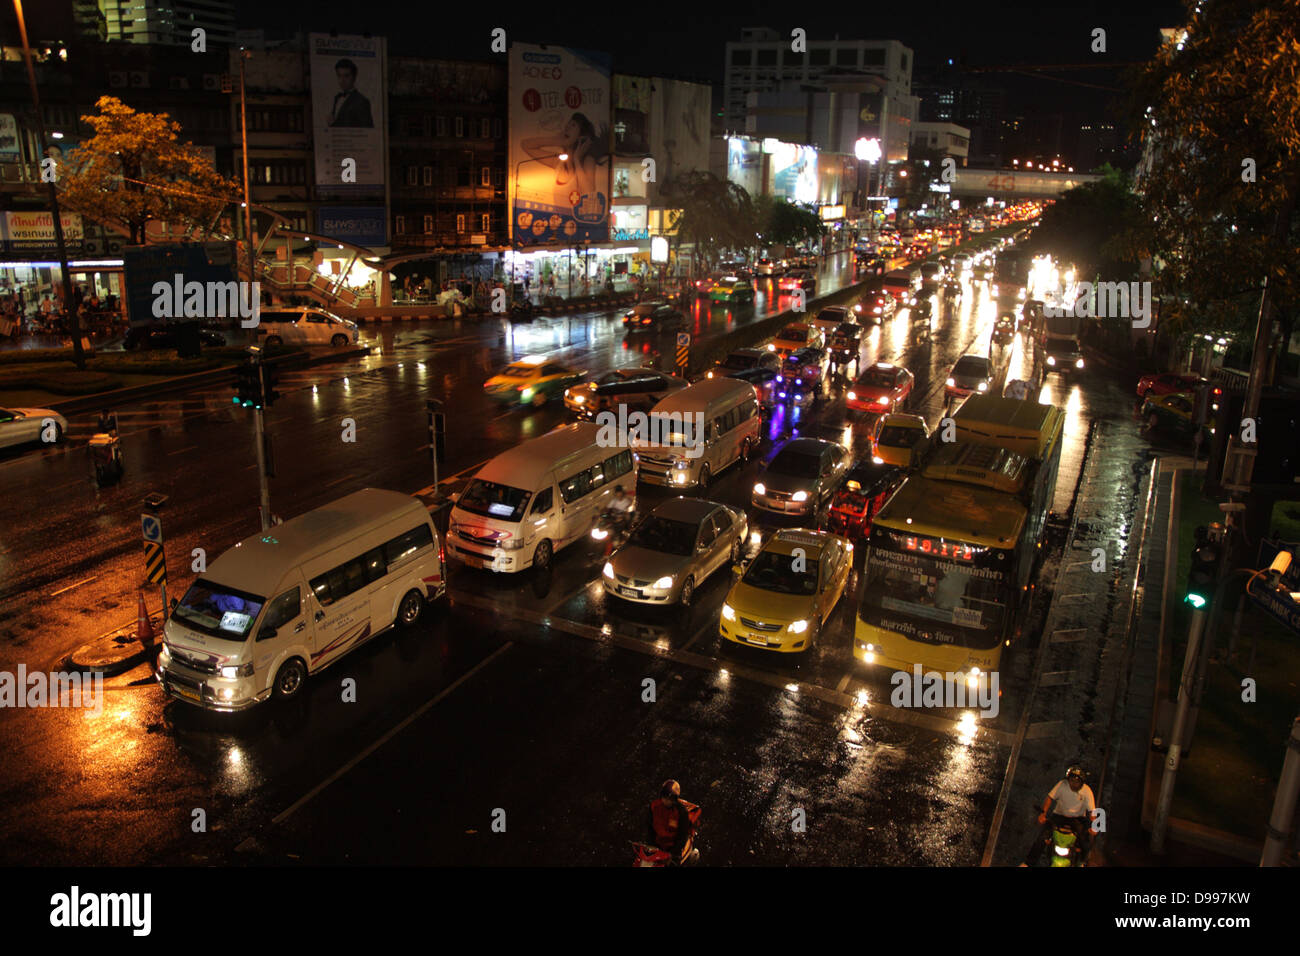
{"x":69,"y":305}
{"x":254,"y":350}
{"x":1280,"y":825}
{"x":1174,"y":756}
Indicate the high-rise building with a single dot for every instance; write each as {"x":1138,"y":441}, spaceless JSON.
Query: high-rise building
{"x":158,"y":22}
{"x":948,"y":96}
{"x":762,"y":62}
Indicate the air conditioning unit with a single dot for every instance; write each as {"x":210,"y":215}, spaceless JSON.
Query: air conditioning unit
{"x":92,"y":247}
{"x":113,"y":247}
{"x":139,"y":79}
{"x":212,"y":82}
{"x":117,"y":79}
{"x":178,"y":83}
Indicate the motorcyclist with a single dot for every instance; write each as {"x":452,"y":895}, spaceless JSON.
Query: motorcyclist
{"x":618,"y":513}
{"x":107,"y":422}
{"x":670,"y":826}
{"x":1074,"y":805}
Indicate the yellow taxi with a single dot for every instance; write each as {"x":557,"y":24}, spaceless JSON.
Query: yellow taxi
{"x":786,"y":593}
{"x":898,"y":439}
{"x":532,"y":380}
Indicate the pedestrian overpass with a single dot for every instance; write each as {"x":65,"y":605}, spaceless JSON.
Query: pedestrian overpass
{"x":1014,"y":184}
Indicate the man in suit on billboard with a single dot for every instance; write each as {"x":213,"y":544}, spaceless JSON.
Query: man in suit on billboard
{"x":350,"y":107}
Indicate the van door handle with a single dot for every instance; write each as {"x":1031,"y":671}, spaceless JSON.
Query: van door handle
{"x":301,"y":625}
{"x":320,"y":615}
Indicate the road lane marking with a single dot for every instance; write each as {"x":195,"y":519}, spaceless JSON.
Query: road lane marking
{"x":412,"y":717}
{"x":338,"y":481}
{"x":705,"y":628}
{"x":182,"y":451}
{"x":844,"y":682}
{"x":77,"y":585}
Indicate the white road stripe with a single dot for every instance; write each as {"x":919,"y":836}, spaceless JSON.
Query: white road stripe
{"x":71,"y":586}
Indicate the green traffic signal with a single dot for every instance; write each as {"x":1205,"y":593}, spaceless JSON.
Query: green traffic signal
{"x":1196,"y":601}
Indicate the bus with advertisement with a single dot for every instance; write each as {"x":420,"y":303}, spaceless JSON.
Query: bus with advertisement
{"x":951,"y":556}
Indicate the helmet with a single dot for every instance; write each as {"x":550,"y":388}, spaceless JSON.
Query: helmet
{"x":670,"y":788}
{"x":1076,"y":771}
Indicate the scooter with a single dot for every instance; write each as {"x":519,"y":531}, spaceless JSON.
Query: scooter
{"x":647,"y":855}
{"x":613,"y":528}
{"x":106,"y":457}
{"x":1065,"y":846}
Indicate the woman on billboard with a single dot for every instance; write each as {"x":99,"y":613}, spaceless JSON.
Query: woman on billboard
{"x":576,"y":175}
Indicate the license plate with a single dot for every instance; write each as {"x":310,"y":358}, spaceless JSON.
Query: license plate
{"x":760,"y":641}
{"x":189,"y":693}
{"x":629,"y":592}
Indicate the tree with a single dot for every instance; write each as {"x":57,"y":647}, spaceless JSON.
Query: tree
{"x":135,"y":168}
{"x":783,"y":223}
{"x":1220,"y":125}
{"x":1086,"y":224}
{"x":715,"y":214}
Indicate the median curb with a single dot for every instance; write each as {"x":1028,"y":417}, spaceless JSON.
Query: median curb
{"x":184,"y":383}
{"x":114,"y":653}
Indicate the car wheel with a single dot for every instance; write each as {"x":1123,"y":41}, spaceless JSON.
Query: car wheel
{"x":704,"y":477}
{"x":408,"y":612}
{"x":542,"y":556}
{"x":538,"y":399}
{"x":274,"y":340}
{"x":687,"y":593}
{"x":339,"y":341}
{"x":289,"y":679}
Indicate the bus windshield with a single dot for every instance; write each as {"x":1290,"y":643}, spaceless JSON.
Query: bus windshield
{"x":933,"y":591}
{"x":218,"y":610}
{"x":491,"y":500}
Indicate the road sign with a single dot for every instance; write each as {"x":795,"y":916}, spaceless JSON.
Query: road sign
{"x":155,"y":564}
{"x":683,"y":340}
{"x":151,"y":528}
{"x":1279,"y":604}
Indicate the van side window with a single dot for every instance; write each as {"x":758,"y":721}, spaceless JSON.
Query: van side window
{"x":283,"y":609}
{"x":405,"y":545}
{"x":338,"y":583}
{"x":616,"y":466}
{"x":542,"y":503}
{"x":595,"y":476}
{"x":748,"y":410}
{"x":375,"y":565}
{"x":571,"y":489}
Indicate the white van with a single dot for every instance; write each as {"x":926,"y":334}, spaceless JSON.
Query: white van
{"x":289,"y":601}
{"x":527,"y":503}
{"x":306,"y":326}
{"x":733,"y":429}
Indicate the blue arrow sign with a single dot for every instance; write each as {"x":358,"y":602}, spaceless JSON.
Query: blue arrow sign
{"x":151,"y":528}
{"x":683,"y":340}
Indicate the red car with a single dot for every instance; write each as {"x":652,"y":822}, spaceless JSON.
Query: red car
{"x":876,"y":307}
{"x":880,"y":388}
{"x":1167,"y":383}
{"x":799,"y":279}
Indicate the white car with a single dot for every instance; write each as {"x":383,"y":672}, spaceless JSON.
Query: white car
{"x":302,"y":326}
{"x":19,"y":426}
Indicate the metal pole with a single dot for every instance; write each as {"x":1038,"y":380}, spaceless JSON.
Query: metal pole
{"x":162,"y":585}
{"x":69,"y":306}
{"x":1278,"y":834}
{"x":259,"y":424}
{"x":1185,"y":686}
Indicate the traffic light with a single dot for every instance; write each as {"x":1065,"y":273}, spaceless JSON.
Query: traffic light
{"x":248,"y":384}
{"x":1203,"y":579}
{"x":270,"y":378}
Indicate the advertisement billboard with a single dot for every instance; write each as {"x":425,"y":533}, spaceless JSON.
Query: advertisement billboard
{"x":559,"y":107}
{"x":362,"y":225}
{"x":347,"y":100}
{"x":33,"y":232}
{"x":144,"y":266}
{"x":9,"y":148}
{"x":792,"y":171}
{"x":679,"y":134}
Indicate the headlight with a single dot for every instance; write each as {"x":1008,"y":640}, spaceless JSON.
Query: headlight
{"x":665,"y":582}
{"x":526,"y":394}
{"x":1078,"y":363}
{"x":759,"y":489}
{"x":609,"y":570}
{"x":952,"y":381}
{"x":799,"y":496}
{"x":710,"y":375}
{"x":680,"y":477}
{"x":983,"y":386}
{"x":1051,"y":360}
{"x":728,"y":612}
{"x":853,"y":396}
{"x":580,"y":398}
{"x":883,"y":400}
{"x":877,"y":460}
{"x":242,"y":670}
{"x":798,"y":627}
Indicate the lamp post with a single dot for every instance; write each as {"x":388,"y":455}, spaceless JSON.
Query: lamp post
{"x":868,"y":151}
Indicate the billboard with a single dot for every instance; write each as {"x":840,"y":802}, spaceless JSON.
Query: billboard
{"x":361,"y":225}
{"x":792,"y":171}
{"x":679,"y":134}
{"x":9,"y":147}
{"x":347,"y":103}
{"x":559,"y":106}
{"x":33,"y":232}
{"x":745,"y":164}
{"x":143,"y":266}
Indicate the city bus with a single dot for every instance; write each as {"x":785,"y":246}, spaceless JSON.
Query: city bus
{"x":951,"y":555}
{"x":1010,"y":276}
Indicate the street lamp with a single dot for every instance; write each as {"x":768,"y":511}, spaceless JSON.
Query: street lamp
{"x":868,"y":151}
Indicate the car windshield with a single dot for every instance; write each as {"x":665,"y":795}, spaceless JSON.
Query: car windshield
{"x":491,"y":500}
{"x":971,"y":366}
{"x":899,"y":436}
{"x":1062,"y":346}
{"x":793,"y":334}
{"x":519,"y":371}
{"x":881,"y":377}
{"x":773,"y":571}
{"x":219,"y":610}
{"x":645,"y":310}
{"x":665,"y":536}
{"x":796,"y":463}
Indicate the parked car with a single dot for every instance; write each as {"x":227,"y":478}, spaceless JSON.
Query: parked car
{"x":674,"y":549}
{"x":18,"y":426}
{"x":653,"y":317}
{"x":1173,"y":412}
{"x":306,"y":326}
{"x":1167,"y":383}
{"x":167,"y":336}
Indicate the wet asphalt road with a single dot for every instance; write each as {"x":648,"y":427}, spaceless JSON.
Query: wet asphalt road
{"x":548,"y":723}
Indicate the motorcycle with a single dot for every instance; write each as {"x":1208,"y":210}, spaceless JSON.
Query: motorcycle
{"x":613,"y":528}
{"x":647,"y":855}
{"x":1065,"y":845}
{"x":106,"y":457}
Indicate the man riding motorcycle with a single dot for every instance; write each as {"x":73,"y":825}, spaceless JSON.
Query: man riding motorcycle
{"x":1074,"y":804}
{"x":671,"y":824}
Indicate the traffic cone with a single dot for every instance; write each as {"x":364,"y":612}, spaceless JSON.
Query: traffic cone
{"x":143,"y":626}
